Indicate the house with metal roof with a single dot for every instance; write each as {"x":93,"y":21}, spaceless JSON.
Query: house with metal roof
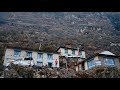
{"x":105,"y":58}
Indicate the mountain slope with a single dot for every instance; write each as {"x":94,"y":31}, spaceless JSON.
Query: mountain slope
{"x":95,"y":30}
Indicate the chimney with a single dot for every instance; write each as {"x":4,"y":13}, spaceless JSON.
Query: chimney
{"x":40,"y":46}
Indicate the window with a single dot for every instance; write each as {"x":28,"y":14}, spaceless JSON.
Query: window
{"x":49,"y":64}
{"x":90,"y":27}
{"x":66,"y":51}
{"x":40,"y":56}
{"x":17,"y":53}
{"x":73,"y":52}
{"x":81,"y":55}
{"x":39,"y":64}
{"x":29,"y":54}
{"x":50,"y":56}
{"x":91,"y":64}
{"x":97,"y":63}
{"x":109,"y":61}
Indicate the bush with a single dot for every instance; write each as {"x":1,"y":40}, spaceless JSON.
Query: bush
{"x":2,"y":67}
{"x":16,"y":71}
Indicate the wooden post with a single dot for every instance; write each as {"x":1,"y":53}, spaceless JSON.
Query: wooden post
{"x":66,"y":63}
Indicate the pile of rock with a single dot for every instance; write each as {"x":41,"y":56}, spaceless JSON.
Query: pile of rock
{"x":105,"y":72}
{"x":16,"y":71}
{"x":100,"y":72}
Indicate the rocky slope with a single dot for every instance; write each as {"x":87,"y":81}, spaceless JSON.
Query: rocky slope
{"x":96,"y":31}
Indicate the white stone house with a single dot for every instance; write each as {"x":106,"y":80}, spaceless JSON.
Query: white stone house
{"x":40,"y":58}
{"x":70,"y":54}
{"x":105,"y":58}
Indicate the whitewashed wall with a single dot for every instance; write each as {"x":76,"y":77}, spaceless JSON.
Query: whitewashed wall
{"x":9,"y":55}
{"x":62,"y":52}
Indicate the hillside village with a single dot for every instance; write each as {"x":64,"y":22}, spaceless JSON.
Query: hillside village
{"x":59,"y":45}
{"x":65,"y":58}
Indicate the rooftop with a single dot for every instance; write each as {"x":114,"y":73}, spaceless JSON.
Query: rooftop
{"x":104,"y":53}
{"x":30,"y":49}
{"x":69,"y":48}
{"x":107,"y":53}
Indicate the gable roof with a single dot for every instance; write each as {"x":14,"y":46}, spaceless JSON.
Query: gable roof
{"x":80,"y":49}
{"x":67,"y":48}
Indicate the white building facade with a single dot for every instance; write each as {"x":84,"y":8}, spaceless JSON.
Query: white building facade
{"x":71,"y":52}
{"x":70,"y":56}
{"x":39,"y":58}
{"x":105,"y":58}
